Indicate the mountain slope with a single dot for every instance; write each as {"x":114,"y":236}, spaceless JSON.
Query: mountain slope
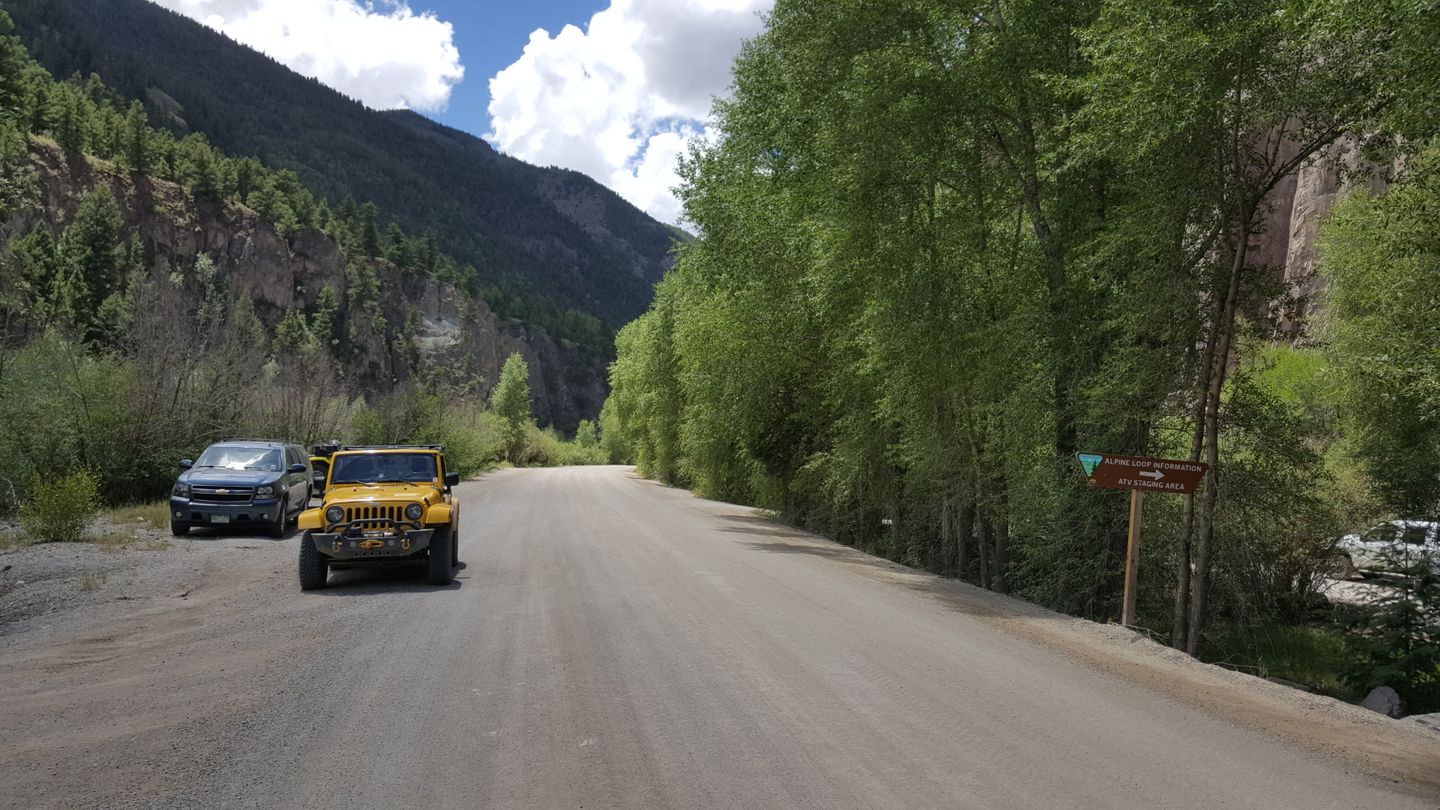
{"x":545,"y":231}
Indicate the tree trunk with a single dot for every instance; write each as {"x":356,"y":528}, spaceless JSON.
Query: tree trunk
{"x":1219,"y":358}
{"x":964,"y":518}
{"x":1180,"y":617}
{"x":1002,"y":554}
{"x":982,"y":543}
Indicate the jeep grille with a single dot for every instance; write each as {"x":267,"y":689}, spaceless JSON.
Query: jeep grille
{"x":222,"y":494}
{"x":359,"y":514}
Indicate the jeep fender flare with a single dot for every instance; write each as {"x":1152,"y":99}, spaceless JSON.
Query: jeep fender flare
{"x":312,"y":520}
{"x":441,"y":514}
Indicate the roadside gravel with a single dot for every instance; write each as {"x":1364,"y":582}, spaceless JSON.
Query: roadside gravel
{"x":44,"y":583}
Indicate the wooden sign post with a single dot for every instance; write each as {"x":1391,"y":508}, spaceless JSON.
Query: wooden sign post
{"x":1139,"y":475}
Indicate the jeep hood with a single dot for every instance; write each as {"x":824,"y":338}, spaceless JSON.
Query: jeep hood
{"x":360,"y":493}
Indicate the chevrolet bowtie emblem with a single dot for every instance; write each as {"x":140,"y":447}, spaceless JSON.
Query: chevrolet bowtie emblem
{"x":222,"y":492}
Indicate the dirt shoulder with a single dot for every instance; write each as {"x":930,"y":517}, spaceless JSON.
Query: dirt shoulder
{"x":42,"y":584}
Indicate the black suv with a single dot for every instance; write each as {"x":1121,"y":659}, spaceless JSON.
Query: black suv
{"x":242,"y":482}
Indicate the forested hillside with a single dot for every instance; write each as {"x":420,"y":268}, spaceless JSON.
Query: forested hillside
{"x":157,"y":294}
{"x":542,"y":240}
{"x":943,"y":247}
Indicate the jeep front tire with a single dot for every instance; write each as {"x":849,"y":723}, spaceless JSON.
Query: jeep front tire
{"x":441,"y":558}
{"x":179,"y":529}
{"x":314,"y":570}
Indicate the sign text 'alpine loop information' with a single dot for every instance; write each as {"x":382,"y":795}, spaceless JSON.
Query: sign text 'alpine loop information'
{"x":1146,"y":474}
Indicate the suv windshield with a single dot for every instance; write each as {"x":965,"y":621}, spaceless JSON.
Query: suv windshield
{"x":232,"y":457}
{"x":370,"y":468}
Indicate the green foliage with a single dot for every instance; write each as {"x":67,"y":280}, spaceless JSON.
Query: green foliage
{"x":1399,"y":635}
{"x":60,"y":509}
{"x":511,"y":400}
{"x":587,"y":435}
{"x":613,"y":439}
{"x":545,"y":448}
{"x":475,"y":439}
{"x":1382,"y":256}
{"x":91,"y":249}
{"x":1315,"y":656}
{"x":471,"y":441}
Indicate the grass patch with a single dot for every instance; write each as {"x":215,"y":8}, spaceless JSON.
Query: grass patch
{"x":1314,"y":656}
{"x":155,"y":515}
{"x":92,"y":582}
{"x":9,"y":540}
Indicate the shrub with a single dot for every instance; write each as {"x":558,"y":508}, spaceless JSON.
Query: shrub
{"x":60,"y":511}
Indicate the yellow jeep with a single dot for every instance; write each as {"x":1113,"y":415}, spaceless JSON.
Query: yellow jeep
{"x":383,"y":505}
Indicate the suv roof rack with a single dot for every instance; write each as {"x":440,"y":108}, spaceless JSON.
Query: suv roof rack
{"x":252,"y":441}
{"x":439,"y":448}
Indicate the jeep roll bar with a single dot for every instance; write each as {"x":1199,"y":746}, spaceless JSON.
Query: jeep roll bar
{"x":439,"y":448}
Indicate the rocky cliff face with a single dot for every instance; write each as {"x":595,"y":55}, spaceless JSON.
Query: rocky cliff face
{"x":1297,"y":211}
{"x":281,"y":274}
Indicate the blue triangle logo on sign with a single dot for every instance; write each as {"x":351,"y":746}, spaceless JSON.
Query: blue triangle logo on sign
{"x":1090,"y":461}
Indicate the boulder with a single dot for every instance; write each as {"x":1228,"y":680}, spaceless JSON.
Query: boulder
{"x":1384,"y":700}
{"x":1430,"y":721}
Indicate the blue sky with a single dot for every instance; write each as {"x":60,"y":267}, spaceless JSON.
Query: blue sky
{"x":490,"y":35}
{"x":616,"y":89}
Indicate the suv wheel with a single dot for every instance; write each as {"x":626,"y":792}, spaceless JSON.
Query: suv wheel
{"x":441,"y":558}
{"x":179,"y":529}
{"x":314,"y":570}
{"x":282,"y":519}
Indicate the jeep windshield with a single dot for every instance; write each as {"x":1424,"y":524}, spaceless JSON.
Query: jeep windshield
{"x":379,"y":468}
{"x":233,"y":457}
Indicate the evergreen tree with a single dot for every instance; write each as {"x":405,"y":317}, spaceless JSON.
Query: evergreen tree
{"x":68,"y":113}
{"x":91,"y":248}
{"x":137,"y":139}
{"x":369,"y":231}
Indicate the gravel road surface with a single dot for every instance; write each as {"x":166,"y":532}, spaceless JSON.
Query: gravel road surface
{"x":613,"y":643}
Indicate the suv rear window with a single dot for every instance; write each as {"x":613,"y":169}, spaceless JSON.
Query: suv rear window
{"x":374,"y":468}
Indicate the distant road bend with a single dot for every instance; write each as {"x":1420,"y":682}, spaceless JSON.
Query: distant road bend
{"x":613,"y":643}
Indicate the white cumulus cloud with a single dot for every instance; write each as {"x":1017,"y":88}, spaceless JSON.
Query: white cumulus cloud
{"x":381,"y":53}
{"x":620,"y":99}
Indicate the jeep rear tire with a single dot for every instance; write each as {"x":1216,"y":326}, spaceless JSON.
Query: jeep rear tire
{"x":314,"y":569}
{"x":282,"y":520}
{"x":179,"y":529}
{"x":441,"y":559}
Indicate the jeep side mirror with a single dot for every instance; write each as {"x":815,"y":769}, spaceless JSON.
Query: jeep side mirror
{"x":186,"y":464}
{"x":452,"y":479}
{"x":297,"y":468}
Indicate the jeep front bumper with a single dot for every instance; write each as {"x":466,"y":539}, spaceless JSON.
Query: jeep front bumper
{"x":347,"y":546}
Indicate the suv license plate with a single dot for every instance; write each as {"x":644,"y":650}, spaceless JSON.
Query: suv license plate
{"x":219,"y":518}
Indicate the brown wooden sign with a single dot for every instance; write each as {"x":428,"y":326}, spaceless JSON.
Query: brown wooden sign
{"x":1143,"y":474}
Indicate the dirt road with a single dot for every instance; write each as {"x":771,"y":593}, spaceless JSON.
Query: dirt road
{"x":613,"y":643}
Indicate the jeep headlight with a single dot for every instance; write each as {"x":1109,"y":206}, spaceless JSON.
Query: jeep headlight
{"x":414,"y":511}
{"x":182,"y":490}
{"x":265,"y":492}
{"x":335,"y":515}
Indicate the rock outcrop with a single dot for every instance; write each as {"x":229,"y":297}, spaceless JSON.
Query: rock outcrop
{"x":280,"y":274}
{"x":1297,"y":209}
